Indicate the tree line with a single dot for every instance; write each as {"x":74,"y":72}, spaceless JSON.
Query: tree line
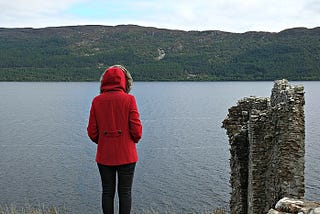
{"x":81,"y":53}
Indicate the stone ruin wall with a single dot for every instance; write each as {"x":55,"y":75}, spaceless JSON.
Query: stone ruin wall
{"x":266,"y":137}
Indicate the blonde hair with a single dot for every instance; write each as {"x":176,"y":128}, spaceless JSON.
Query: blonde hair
{"x":129,"y":80}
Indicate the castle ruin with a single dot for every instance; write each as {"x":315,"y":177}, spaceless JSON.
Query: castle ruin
{"x":266,"y":137}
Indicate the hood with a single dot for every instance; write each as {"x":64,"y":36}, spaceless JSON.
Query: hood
{"x":116,"y":78}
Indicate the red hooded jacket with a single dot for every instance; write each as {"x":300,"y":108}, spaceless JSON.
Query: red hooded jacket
{"x":114,"y":122}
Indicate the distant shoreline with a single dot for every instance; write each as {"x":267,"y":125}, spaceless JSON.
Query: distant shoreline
{"x":81,"y":53}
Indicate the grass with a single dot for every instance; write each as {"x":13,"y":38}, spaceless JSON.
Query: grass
{"x":53,"y":210}
{"x":12,"y":209}
{"x":151,"y":211}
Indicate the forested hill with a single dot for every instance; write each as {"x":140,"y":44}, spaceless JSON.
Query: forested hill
{"x":81,"y":53}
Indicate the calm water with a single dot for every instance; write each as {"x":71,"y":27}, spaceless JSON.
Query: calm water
{"x":47,"y":158}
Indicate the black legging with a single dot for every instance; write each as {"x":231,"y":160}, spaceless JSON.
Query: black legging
{"x":108,"y":179}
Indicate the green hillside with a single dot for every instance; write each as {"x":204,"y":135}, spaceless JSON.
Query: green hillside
{"x":81,"y":53}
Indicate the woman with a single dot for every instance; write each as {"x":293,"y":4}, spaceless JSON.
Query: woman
{"x":115,"y":126}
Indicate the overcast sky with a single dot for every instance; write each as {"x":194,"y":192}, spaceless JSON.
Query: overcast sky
{"x":225,"y":15}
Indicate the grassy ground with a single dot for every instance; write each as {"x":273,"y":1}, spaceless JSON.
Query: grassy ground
{"x":29,"y":210}
{"x":52,"y":210}
{"x":216,"y":211}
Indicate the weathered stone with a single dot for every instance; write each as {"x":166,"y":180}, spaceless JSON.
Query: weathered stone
{"x":272,"y":211}
{"x":266,"y":137}
{"x":290,"y":205}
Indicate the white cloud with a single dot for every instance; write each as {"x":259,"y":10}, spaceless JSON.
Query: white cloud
{"x":233,"y":15}
{"x":226,"y":15}
{"x":33,"y":13}
{"x":15,"y":7}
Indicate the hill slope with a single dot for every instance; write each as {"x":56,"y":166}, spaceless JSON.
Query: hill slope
{"x":81,"y":53}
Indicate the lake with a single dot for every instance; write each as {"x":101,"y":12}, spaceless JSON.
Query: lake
{"x":46,"y":157}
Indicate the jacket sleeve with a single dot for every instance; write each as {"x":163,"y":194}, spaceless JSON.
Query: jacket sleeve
{"x":92,"y":129}
{"x":135,"y":125}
